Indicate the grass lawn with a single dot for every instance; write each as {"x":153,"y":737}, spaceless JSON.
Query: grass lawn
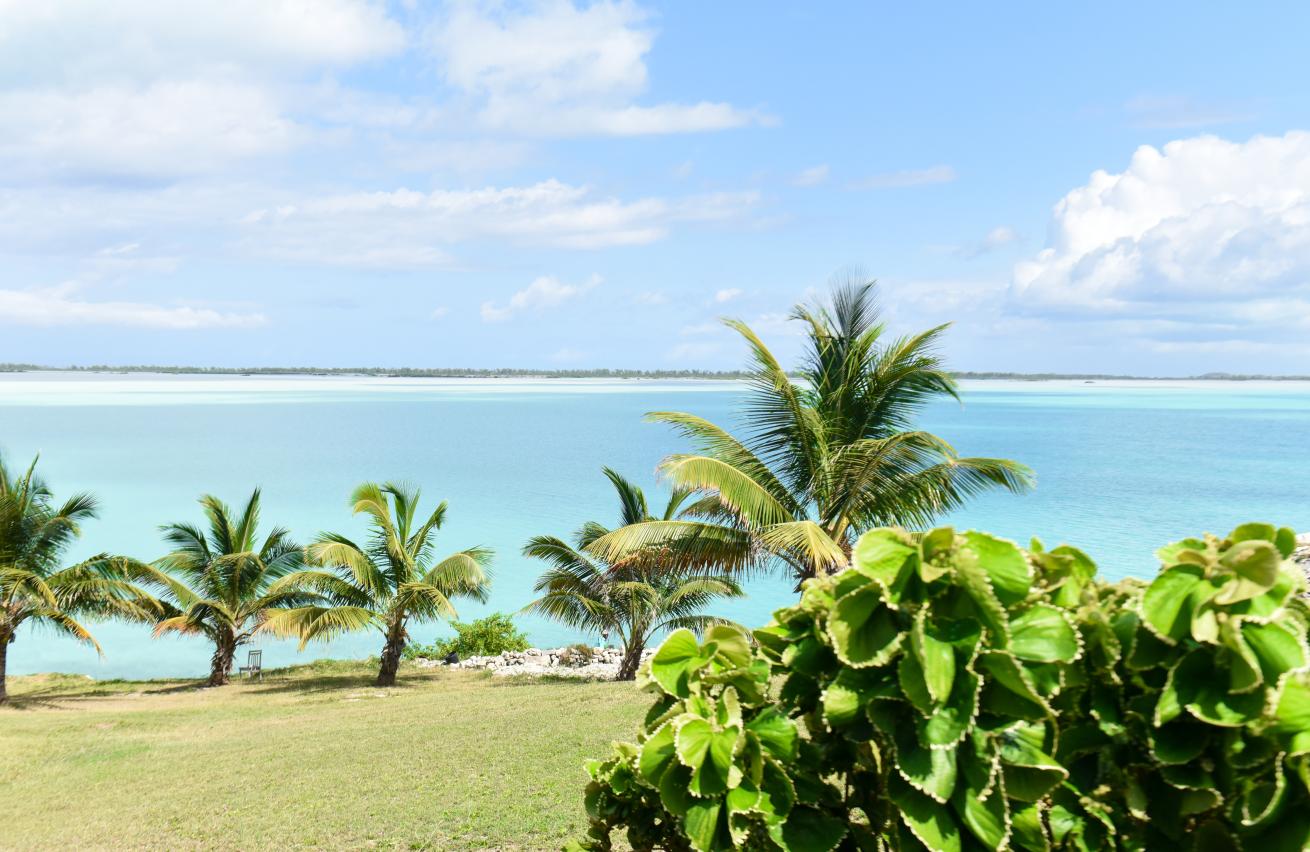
{"x":314,"y":756}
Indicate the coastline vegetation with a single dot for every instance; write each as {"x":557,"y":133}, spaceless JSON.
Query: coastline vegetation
{"x":634,"y":598}
{"x":819,"y":461}
{"x":927,"y":690}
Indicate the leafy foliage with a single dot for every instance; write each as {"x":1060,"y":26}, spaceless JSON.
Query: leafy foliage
{"x":224,"y":583}
{"x":36,"y":588}
{"x":953,"y":692}
{"x":483,"y":637}
{"x":393,"y":580}
{"x":633,"y":598}
{"x":821,"y":460}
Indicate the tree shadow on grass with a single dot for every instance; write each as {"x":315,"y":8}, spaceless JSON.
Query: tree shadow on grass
{"x":59,"y":695}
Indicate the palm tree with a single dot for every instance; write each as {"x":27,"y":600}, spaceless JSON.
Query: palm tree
{"x":635,"y":598}
{"x":388,"y":583}
{"x":225,"y":583}
{"x":821,"y":460}
{"x":35,"y":589}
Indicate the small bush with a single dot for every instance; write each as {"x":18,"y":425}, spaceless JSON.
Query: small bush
{"x":954,"y":692}
{"x":485,"y":637}
{"x":577,"y":655}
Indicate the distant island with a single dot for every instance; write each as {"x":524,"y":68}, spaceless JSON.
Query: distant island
{"x":527,"y":373}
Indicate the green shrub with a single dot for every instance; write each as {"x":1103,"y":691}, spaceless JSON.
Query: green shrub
{"x":577,"y":655}
{"x":484,"y":637}
{"x":953,"y":692}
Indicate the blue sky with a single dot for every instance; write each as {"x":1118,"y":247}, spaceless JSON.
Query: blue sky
{"x":1118,"y":187}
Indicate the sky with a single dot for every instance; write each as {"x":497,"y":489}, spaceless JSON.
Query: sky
{"x":1110,"y":187}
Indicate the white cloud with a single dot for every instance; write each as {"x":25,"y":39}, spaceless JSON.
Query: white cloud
{"x":1211,"y":234}
{"x":164,"y":129}
{"x":907,"y":177}
{"x":403,"y":227}
{"x":87,"y":42}
{"x":60,"y":306}
{"x":650,"y":298}
{"x":726,"y":295}
{"x":544,"y":292}
{"x":439,"y":312}
{"x":554,"y":69}
{"x":813,"y":176}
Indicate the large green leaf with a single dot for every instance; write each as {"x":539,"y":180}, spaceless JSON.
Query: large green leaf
{"x":986,"y":814}
{"x":1255,"y":565}
{"x":929,"y":822}
{"x":657,"y":753}
{"x":936,"y":658}
{"x":1029,"y":772}
{"x":863,"y":629}
{"x":708,"y":752}
{"x":809,"y":830}
{"x":776,"y":733}
{"x":930,"y":771}
{"x":951,"y":721}
{"x":732,"y":645}
{"x":1043,"y":634}
{"x":1276,"y":647}
{"x":677,"y":656}
{"x":1004,"y":563}
{"x":1166,"y":605}
{"x":884,"y":557}
{"x":1020,"y":697}
{"x":707,"y":826}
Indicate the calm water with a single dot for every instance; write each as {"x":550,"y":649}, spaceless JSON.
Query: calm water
{"x":1122,"y":469}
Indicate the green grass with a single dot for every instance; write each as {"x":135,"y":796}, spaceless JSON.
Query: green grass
{"x":314,"y":756}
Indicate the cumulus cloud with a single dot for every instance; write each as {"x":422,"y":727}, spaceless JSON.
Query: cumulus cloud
{"x":555,"y":69}
{"x":146,"y":90}
{"x":404,"y":227}
{"x":726,"y":295}
{"x":61,"y":306}
{"x":1208,"y":236}
{"x":544,"y":292}
{"x":650,"y":298}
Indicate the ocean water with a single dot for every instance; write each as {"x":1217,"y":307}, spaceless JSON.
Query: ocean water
{"x":1123,"y":467}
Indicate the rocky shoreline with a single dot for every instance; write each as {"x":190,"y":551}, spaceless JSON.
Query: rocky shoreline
{"x":572,"y":662}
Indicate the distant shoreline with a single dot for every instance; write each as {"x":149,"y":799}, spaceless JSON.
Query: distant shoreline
{"x":507,"y":373}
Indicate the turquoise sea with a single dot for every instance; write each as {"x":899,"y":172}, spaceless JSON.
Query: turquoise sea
{"x":1122,"y":467}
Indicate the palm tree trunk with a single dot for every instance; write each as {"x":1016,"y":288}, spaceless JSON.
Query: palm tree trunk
{"x":391,"y":650}
{"x":220,"y":665}
{"x":4,"y":655}
{"x":631,"y":661}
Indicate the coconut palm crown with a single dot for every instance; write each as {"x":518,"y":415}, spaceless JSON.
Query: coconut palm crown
{"x":224,"y":582}
{"x":822,"y":459}
{"x":388,"y":583}
{"x":36,"y":588}
{"x":634,"y":599}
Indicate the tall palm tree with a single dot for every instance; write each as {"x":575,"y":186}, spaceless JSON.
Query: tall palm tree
{"x":223,"y":584}
{"x":635,"y":598}
{"x":820,"y":460}
{"x":387,"y":584}
{"x":34,"y":588}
